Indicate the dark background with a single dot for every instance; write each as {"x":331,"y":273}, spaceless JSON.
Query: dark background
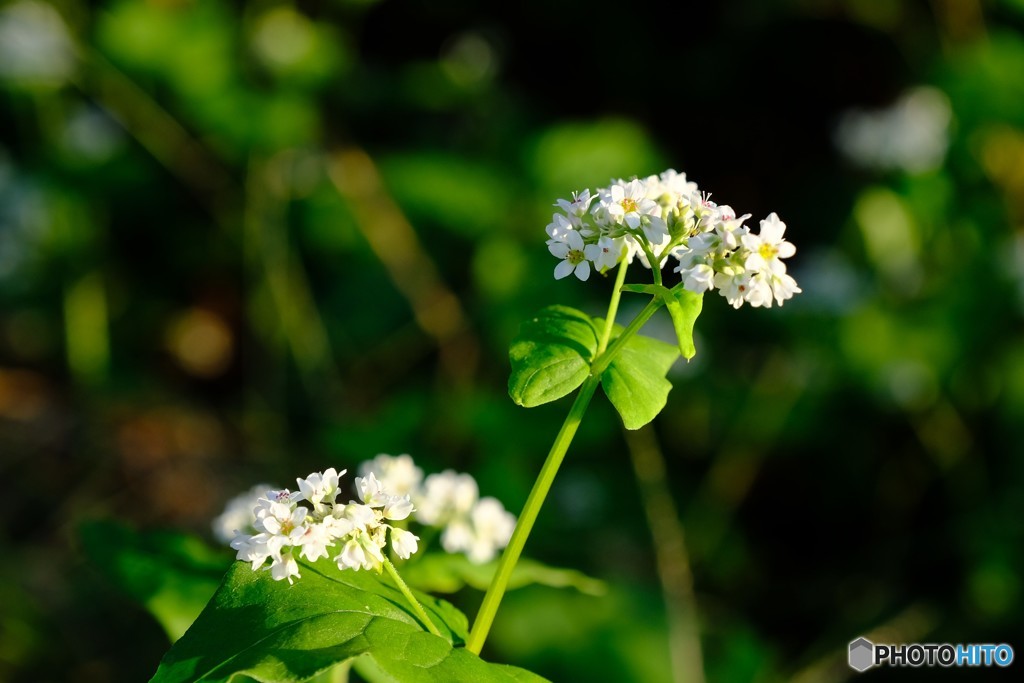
{"x":203,"y":286}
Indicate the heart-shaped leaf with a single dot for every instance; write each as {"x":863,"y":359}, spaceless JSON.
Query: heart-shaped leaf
{"x":635,"y":381}
{"x":551,"y":356}
{"x":270,"y":631}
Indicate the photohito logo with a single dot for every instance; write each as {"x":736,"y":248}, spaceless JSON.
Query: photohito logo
{"x":864,"y":654}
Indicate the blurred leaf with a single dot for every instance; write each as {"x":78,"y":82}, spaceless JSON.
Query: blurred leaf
{"x":635,"y":381}
{"x":457,"y":194}
{"x":447,"y":573}
{"x":270,"y":631}
{"x":577,"y":155}
{"x":551,"y":356}
{"x":172,"y":574}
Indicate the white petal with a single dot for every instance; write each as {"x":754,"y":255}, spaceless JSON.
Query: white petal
{"x":563,"y":269}
{"x":583,"y":270}
{"x":559,"y":249}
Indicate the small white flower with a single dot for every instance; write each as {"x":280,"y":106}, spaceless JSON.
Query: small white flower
{"x":577,"y":208}
{"x":285,"y":525}
{"x":403,"y":542}
{"x":359,"y":516}
{"x":371,"y":491}
{"x":284,"y":567}
{"x":238,"y":516}
{"x":445,"y":496}
{"x":398,"y":508}
{"x":559,"y":227}
{"x":610,"y":252}
{"x":318,"y":487}
{"x":759,"y":290}
{"x":396,"y":473}
{"x":783,"y":287}
{"x":575,"y":255}
{"x":316,"y":540}
{"x":768,"y":247}
{"x":492,"y":529}
{"x":627,"y":202}
{"x":352,"y":556}
{"x":251,"y":549}
{"x":698,"y":279}
{"x":732,"y":283}
{"x":457,"y":536}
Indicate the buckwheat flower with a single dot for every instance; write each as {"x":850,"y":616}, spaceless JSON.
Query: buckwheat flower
{"x":492,"y":529}
{"x":627,"y":202}
{"x":352,"y":555}
{"x":284,"y":566}
{"x":397,"y":508}
{"x":320,"y":486}
{"x":316,"y":539}
{"x":559,"y":227}
{"x":759,"y":290}
{"x":481,"y":533}
{"x":732,"y":282}
{"x":768,"y":247}
{"x":238,"y":516}
{"x":403,"y":542}
{"x":445,"y":496}
{"x":252,"y":549}
{"x":577,"y":208}
{"x":610,"y":251}
{"x":575,"y":255}
{"x":396,"y":473}
{"x":371,"y":491}
{"x":676,"y":183}
{"x":699,"y":278}
{"x":359,"y":516}
{"x":361,"y":552}
{"x":285,"y":525}
{"x":783,"y":287}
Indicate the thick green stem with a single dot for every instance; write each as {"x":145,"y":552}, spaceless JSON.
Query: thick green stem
{"x":413,"y":602}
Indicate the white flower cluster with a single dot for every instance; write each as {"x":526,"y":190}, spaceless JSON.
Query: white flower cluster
{"x":666,"y":215}
{"x":309,"y":521}
{"x":450,"y":501}
{"x":281,"y":525}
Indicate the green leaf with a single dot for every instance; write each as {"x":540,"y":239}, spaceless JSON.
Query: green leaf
{"x":635,"y":381}
{"x":172,"y":574}
{"x":551,"y":356}
{"x":447,"y":573}
{"x":683,"y":305}
{"x":274,"y":632}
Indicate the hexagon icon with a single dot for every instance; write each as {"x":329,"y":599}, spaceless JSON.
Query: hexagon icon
{"x":862,"y":654}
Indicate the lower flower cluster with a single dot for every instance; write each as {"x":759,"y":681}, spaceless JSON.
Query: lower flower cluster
{"x":310,"y":523}
{"x":280,"y":526}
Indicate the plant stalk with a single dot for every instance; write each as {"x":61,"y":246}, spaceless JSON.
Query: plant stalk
{"x":413,"y":602}
{"x":509,"y":558}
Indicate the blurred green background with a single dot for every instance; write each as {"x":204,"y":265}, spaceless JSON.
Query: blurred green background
{"x":240,"y":242}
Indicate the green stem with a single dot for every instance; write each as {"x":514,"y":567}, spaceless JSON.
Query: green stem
{"x":654,"y":261}
{"x":603,"y":360}
{"x":499,"y":584}
{"x":495,"y":592}
{"x":416,"y":606}
{"x":613,"y":308}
